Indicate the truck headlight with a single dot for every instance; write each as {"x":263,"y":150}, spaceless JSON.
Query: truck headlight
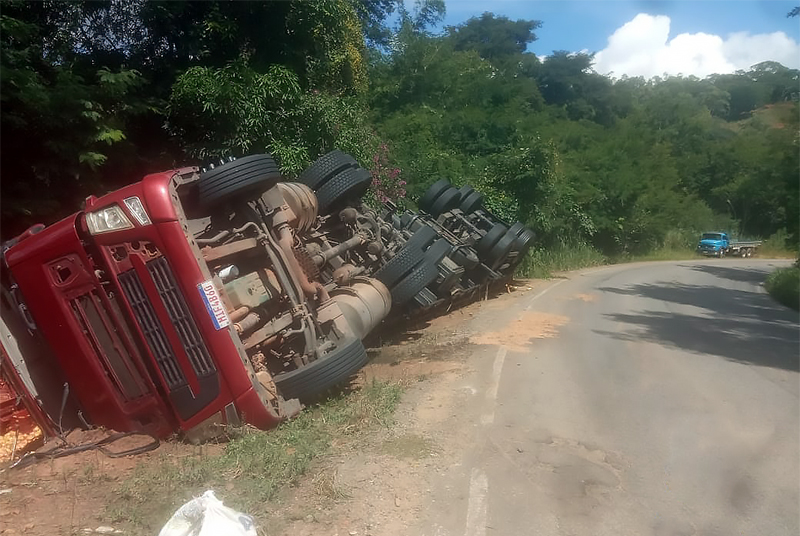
{"x":136,"y":207}
{"x":108,"y":219}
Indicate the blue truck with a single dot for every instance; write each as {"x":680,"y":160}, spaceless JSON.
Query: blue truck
{"x":720,"y":245}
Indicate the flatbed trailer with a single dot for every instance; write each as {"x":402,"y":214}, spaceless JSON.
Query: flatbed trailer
{"x":744,"y":249}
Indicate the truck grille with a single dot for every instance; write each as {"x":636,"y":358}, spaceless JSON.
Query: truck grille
{"x":179,"y":314}
{"x":152,"y":329}
{"x":185,"y":326}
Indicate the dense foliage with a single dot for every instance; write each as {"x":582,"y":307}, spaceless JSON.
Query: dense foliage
{"x":95,"y":94}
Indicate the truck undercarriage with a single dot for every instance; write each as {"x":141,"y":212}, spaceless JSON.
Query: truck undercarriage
{"x":195,"y":299}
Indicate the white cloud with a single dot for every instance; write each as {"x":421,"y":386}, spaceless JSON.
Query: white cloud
{"x":642,"y":47}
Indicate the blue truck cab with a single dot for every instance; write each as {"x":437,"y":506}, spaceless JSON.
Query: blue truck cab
{"x":716,"y":244}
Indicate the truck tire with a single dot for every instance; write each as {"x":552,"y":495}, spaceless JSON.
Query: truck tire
{"x":500,"y":251}
{"x":325,"y":167}
{"x":465,"y":190}
{"x":524,"y":242}
{"x":422,"y":237}
{"x":244,"y":178}
{"x":438,"y":251}
{"x":447,"y":200}
{"x":399,"y":265}
{"x":433,"y":192}
{"x":487,"y":241}
{"x":411,"y":285}
{"x":327,"y":371}
{"x":516,"y":229}
{"x":347,"y":185}
{"x":471,"y":203}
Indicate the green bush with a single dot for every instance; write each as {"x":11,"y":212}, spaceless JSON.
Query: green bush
{"x":784,"y":285}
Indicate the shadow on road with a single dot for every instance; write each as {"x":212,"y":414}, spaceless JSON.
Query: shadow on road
{"x":744,"y":275}
{"x":745,"y":326}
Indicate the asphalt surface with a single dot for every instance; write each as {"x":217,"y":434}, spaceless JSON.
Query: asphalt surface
{"x":665,"y":402}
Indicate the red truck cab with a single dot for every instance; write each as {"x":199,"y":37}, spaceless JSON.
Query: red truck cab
{"x":133,"y":299}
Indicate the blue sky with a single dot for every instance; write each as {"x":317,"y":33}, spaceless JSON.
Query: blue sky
{"x":706,"y":29}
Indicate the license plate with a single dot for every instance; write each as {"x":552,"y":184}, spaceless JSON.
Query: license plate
{"x":214,"y":304}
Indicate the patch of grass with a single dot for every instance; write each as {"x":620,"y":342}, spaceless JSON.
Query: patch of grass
{"x":775,"y":247}
{"x":255,"y":466}
{"x":784,"y":286}
{"x":542,"y":263}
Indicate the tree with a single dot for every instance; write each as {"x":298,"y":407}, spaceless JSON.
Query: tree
{"x":63,"y":119}
{"x":497,"y":39}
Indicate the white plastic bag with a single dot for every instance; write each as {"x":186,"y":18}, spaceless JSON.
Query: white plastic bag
{"x":207,"y":516}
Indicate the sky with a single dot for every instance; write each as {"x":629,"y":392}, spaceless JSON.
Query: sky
{"x":656,"y":37}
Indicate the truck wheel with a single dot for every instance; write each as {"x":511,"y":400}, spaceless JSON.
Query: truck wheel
{"x":438,"y":251}
{"x":244,"y":178}
{"x":500,"y":251}
{"x":325,"y":167}
{"x":399,"y":265}
{"x":433,"y":192}
{"x":422,"y":237}
{"x":447,"y":200}
{"x":524,"y":242}
{"x":465,"y":190}
{"x":347,"y":185}
{"x":412,"y":284}
{"x":333,"y":368}
{"x":487,"y":241}
{"x":516,"y":229}
{"x":471,"y":203}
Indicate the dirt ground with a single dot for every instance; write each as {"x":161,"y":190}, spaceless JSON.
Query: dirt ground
{"x":375,"y":487}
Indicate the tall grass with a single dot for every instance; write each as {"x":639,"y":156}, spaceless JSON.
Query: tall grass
{"x":776,"y":247}
{"x":543,"y":262}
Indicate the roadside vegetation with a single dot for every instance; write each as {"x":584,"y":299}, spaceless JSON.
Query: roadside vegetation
{"x":255,"y":466}
{"x":97,"y":94}
{"x":784,"y":285}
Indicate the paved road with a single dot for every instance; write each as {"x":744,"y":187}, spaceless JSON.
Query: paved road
{"x":665,"y":404}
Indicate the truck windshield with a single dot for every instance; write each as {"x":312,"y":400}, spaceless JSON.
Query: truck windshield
{"x":711,"y":236}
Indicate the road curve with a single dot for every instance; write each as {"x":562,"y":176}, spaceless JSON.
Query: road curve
{"x":657,"y":398}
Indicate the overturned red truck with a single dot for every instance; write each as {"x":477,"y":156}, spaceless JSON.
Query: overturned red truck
{"x":201,"y":298}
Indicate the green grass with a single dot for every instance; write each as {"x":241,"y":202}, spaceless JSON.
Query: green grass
{"x":775,"y":247}
{"x":254,"y":466}
{"x":542,"y":263}
{"x":784,"y":285}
